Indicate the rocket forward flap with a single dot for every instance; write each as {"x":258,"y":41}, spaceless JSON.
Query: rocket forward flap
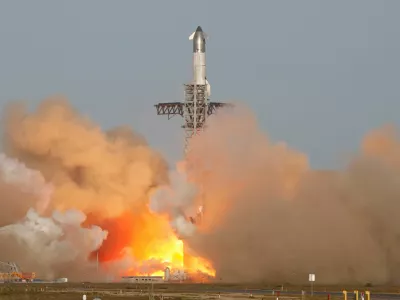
{"x":208,"y":88}
{"x":191,"y":37}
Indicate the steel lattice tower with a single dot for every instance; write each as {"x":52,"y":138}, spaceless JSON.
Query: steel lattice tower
{"x":196,"y":106}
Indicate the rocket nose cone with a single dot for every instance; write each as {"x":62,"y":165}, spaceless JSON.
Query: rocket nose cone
{"x":199,"y":41}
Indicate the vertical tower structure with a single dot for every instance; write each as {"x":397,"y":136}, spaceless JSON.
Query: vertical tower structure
{"x":196,"y":106}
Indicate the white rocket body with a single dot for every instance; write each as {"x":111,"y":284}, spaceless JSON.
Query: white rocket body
{"x":199,"y":68}
{"x":199,"y":58}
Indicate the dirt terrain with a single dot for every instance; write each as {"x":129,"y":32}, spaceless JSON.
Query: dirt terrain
{"x":178,"y":292}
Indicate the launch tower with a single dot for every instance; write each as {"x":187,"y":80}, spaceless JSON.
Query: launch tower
{"x":196,"y":106}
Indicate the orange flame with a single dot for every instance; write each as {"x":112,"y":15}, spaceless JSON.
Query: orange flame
{"x":150,"y":241}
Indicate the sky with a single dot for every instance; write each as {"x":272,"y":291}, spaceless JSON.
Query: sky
{"x":318,"y":74}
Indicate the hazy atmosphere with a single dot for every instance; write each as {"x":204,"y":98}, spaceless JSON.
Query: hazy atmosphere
{"x":319,"y":74}
{"x":301,"y":176}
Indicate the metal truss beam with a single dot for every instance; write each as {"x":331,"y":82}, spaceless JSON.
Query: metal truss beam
{"x":172,"y":109}
{"x":169,"y":109}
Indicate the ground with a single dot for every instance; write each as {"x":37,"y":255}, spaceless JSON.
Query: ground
{"x":120,"y":291}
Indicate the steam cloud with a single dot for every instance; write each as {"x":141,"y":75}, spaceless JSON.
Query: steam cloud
{"x":69,"y":189}
{"x":270,"y":218}
{"x":66,"y":188}
{"x":51,"y":244}
{"x":175,"y":199}
{"x":40,"y":243}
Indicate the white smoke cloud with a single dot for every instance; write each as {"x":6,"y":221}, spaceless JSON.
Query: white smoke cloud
{"x":15,"y":173}
{"x":177,"y":201}
{"x":59,"y":238}
{"x":49,"y":245}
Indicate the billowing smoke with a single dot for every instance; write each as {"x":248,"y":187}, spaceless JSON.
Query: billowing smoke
{"x":21,"y":188}
{"x":50,"y":245}
{"x":71,"y":192}
{"x":89,"y":168}
{"x":176,"y":200}
{"x":45,"y":244}
{"x":269,"y":217}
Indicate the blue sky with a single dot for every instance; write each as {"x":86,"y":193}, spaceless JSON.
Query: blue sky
{"x":318,"y":74}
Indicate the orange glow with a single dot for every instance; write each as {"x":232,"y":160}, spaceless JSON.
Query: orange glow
{"x":150,"y":241}
{"x":196,"y":264}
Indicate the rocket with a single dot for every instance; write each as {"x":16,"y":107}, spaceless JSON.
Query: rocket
{"x":199,"y":58}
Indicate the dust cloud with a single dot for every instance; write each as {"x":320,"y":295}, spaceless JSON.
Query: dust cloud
{"x":65,"y":185}
{"x":70,"y":192}
{"x":89,"y":168}
{"x":268,"y":217}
